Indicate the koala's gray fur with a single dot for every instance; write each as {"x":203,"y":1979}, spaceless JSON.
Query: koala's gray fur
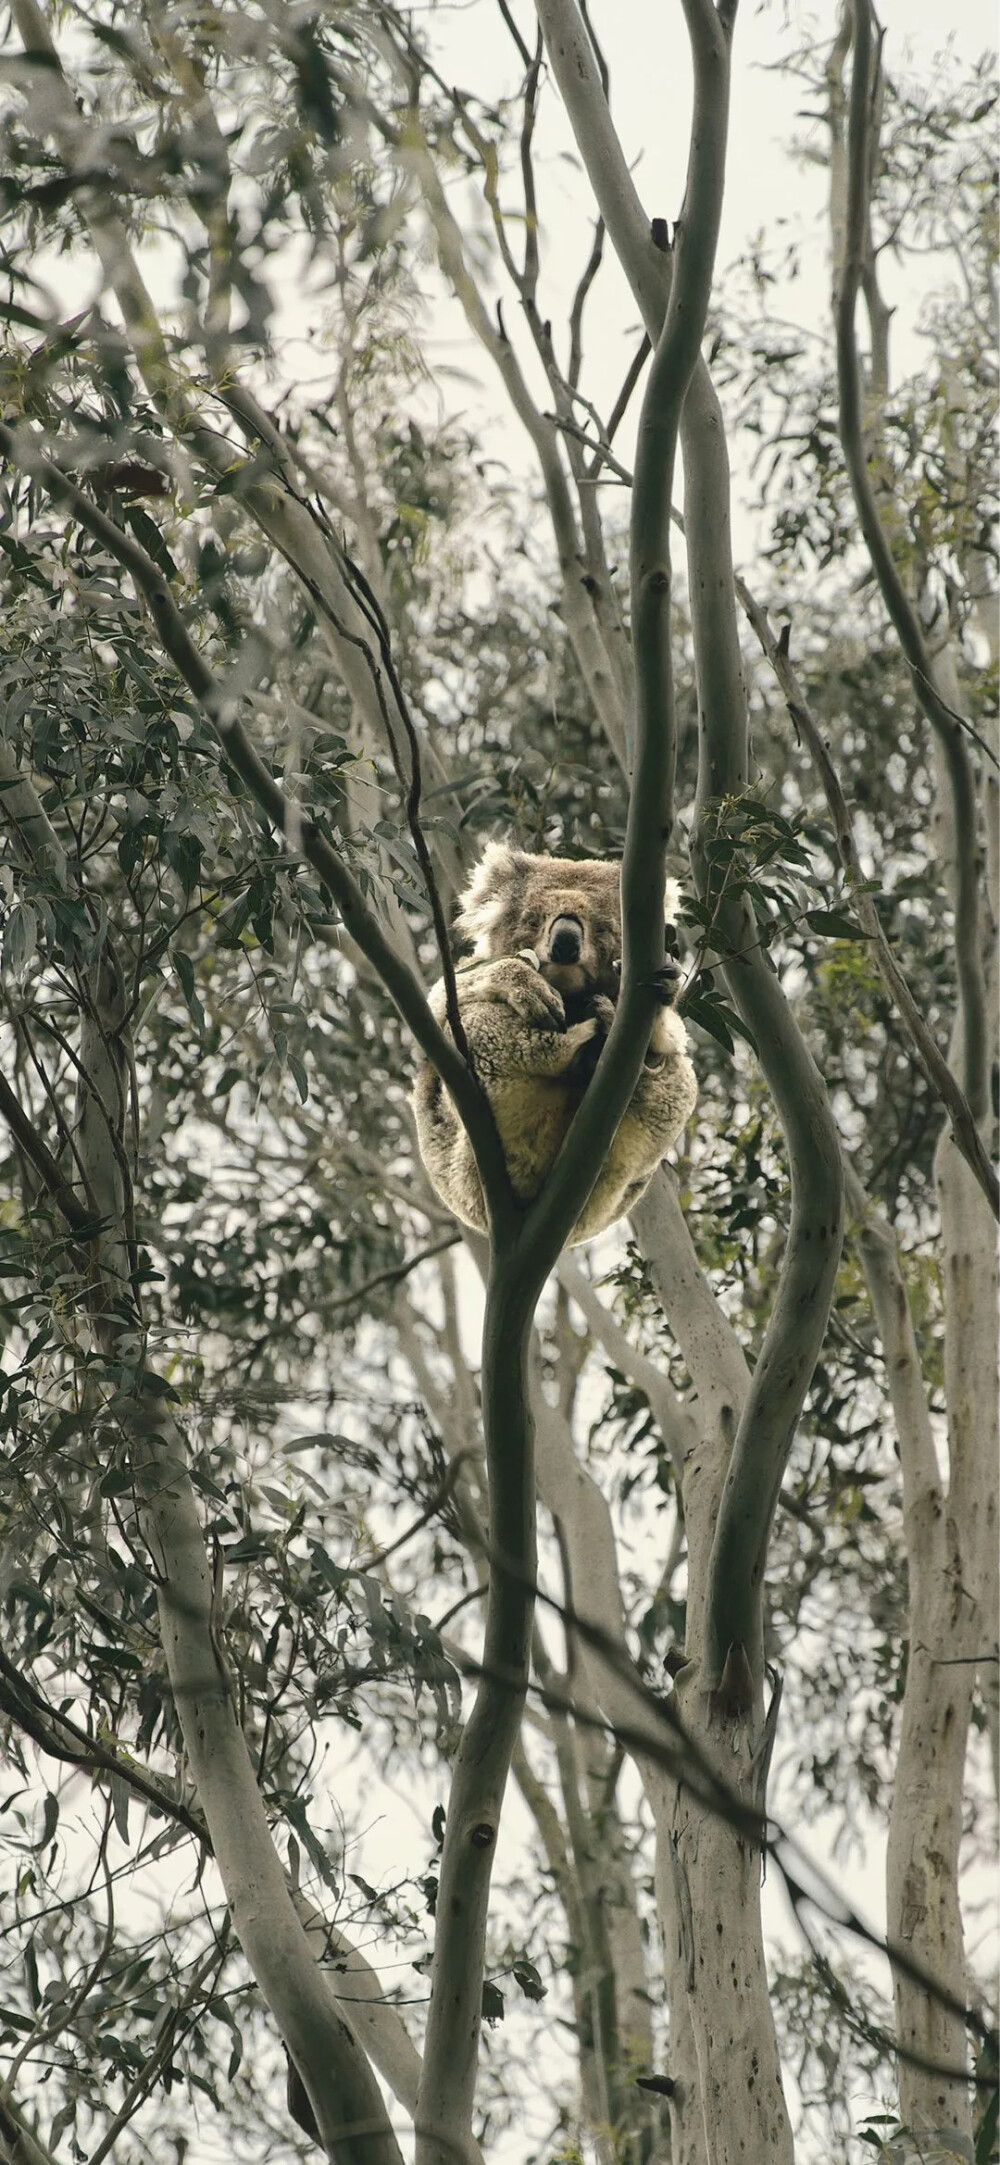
{"x":537,"y":999}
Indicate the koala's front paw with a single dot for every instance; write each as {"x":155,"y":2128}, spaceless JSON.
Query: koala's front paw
{"x":589,"y":1036}
{"x":603,"y":1011}
{"x":514,"y":983}
{"x":667,"y":982}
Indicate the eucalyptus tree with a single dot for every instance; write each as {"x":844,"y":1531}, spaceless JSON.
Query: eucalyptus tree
{"x":256,"y":713}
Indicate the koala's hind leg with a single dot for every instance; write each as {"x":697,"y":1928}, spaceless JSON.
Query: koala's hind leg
{"x":662,"y":1102}
{"x":446,"y":1151}
{"x":525,"y":1059}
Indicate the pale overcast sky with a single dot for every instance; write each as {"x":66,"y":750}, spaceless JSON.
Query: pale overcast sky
{"x":767,"y":190}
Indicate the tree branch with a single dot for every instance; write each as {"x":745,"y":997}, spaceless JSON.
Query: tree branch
{"x":289,"y":522}
{"x":522,"y":1260}
{"x":929,"y":1055}
{"x":677,"y":1425}
{"x":360,"y":922}
{"x":948,"y":730}
{"x":733,"y":1611}
{"x":63,"y":1739}
{"x":79,"y":1219}
{"x":650,"y":813}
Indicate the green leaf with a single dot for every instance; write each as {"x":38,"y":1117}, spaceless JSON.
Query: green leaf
{"x":295,"y":1811}
{"x":120,"y":1799}
{"x":148,"y":534}
{"x":526,"y":1975}
{"x":116,"y":1482}
{"x":832,"y":921}
{"x":50,"y":1820}
{"x":20,"y":939}
{"x":987,"y":2136}
{"x":183,"y":854}
{"x":493,"y":2002}
{"x":185,"y":972}
{"x":718,"y":1019}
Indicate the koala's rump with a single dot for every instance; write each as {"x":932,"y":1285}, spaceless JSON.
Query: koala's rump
{"x":532,"y":1114}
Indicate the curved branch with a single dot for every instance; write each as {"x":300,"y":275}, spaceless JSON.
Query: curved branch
{"x":715,"y":1360}
{"x":524,"y":1255}
{"x":80,"y":1220}
{"x":678,"y":1427}
{"x":928,"y":1053}
{"x":447,"y":2088}
{"x":948,"y":728}
{"x":21,"y":2146}
{"x":775,"y":1398}
{"x":571,"y":56}
{"x":650,"y":813}
{"x":734,"y":1615}
{"x":282,"y":512}
{"x":360,"y":921}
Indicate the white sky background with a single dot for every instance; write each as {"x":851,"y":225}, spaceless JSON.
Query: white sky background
{"x":767,"y":189}
{"x":646,"y":48}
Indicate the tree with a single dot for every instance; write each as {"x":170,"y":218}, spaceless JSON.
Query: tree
{"x":272,"y":665}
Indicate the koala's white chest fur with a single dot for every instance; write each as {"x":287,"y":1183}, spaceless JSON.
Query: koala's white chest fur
{"x":545,"y":927}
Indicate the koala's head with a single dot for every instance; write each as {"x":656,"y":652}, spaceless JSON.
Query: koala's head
{"x":567,"y":910}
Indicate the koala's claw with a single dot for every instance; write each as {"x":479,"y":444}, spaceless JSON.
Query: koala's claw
{"x":603,"y":1011}
{"x":666,"y":982}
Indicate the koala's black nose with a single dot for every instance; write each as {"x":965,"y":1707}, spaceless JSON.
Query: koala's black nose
{"x":565,"y":940}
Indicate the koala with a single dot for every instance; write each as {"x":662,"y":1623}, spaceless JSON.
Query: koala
{"x":537,"y":999}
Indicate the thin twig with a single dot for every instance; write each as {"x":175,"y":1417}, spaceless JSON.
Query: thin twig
{"x":360,"y":921}
{"x":392,"y":1277}
{"x":862,"y":147}
{"x":602,"y":455}
{"x":444,"y":1490}
{"x":213,"y":1958}
{"x":932,"y":1060}
{"x":78,"y":1218}
{"x":632,"y":375}
{"x":61,"y":1738}
{"x":249,"y":412}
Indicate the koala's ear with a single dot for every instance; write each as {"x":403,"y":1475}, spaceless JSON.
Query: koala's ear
{"x":671,"y":901}
{"x":488,"y":894}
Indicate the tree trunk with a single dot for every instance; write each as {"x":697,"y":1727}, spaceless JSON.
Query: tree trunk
{"x":716,"y":1900}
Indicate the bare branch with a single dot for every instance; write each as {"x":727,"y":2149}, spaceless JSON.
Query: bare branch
{"x":931,"y":1059}
{"x":650,"y":814}
{"x":360,"y":921}
{"x":21,"y":2146}
{"x":78,"y":1218}
{"x":972,"y":1005}
{"x":632,"y":375}
{"x":675,"y":1421}
{"x":392,"y":1277}
{"x":57,"y":1734}
{"x":797,"y":1324}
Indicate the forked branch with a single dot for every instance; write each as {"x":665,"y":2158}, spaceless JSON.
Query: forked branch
{"x":928,"y":1053}
{"x":948,"y":727}
{"x":361,"y":923}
